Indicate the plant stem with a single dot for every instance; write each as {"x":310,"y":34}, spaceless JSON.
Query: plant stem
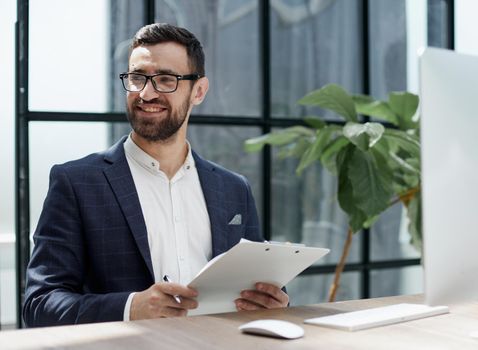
{"x":405,"y":197}
{"x":340,"y":266}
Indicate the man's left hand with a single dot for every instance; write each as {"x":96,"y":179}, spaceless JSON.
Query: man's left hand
{"x":265,"y":296}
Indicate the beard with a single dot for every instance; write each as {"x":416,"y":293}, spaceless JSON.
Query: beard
{"x":157,"y":129}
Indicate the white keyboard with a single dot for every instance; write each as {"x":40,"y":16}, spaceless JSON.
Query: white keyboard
{"x":380,"y":316}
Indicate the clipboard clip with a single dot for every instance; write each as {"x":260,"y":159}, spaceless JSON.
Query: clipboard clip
{"x":285,"y":243}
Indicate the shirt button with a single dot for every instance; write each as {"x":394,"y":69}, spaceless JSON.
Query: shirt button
{"x":177,"y":218}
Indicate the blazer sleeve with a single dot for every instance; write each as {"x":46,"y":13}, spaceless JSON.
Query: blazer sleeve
{"x":55,"y":292}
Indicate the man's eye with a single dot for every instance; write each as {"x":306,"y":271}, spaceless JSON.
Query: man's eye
{"x":136,"y":78}
{"x":166,"y":79}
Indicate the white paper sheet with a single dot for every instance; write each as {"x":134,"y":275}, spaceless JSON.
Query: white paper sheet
{"x":220,"y":282}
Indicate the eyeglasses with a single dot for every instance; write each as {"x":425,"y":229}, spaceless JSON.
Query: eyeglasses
{"x":135,"y":82}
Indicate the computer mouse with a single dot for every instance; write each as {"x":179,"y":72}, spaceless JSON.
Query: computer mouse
{"x":273,"y":328}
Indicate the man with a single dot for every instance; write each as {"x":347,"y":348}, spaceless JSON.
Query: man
{"x":115,"y":224}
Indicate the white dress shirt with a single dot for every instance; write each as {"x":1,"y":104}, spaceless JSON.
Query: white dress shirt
{"x":175,"y":214}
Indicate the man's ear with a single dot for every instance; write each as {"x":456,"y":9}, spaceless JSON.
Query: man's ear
{"x":200,"y":90}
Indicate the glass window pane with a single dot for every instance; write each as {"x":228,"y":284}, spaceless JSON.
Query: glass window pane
{"x":313,"y":44}
{"x":68,"y":59}
{"x":314,"y":289}
{"x":229,"y":33}
{"x":437,"y":22}
{"x":8,"y":312}
{"x":398,"y":29}
{"x":390,"y":238}
{"x":99,"y":49}
{"x":388,"y":46}
{"x":399,"y":281}
{"x":126,"y":17}
{"x":305,"y":209}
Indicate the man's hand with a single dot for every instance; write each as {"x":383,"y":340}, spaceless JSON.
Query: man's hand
{"x":158,"y":301}
{"x":265,"y":296}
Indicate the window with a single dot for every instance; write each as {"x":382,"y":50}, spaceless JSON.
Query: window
{"x":261,"y":57}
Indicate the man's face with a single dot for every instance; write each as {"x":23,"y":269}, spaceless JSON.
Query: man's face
{"x":153,"y":115}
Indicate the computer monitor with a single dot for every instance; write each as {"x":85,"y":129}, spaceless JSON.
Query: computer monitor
{"x":449,"y":158}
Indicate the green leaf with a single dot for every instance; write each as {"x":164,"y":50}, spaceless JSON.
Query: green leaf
{"x":371,"y":182}
{"x":314,"y":122}
{"x":405,"y":172}
{"x":365,"y":105}
{"x":345,"y":193}
{"x":295,"y":150}
{"x":402,"y":140}
{"x":334,"y":98}
{"x":328,"y":158}
{"x":277,"y":138}
{"x":315,"y":150}
{"x":370,"y":221}
{"x":414,"y":214}
{"x":405,"y":165}
{"x":404,"y":105}
{"x":365,"y":135}
{"x":362,"y":99}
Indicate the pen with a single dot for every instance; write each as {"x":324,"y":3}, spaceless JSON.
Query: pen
{"x":168,"y":280}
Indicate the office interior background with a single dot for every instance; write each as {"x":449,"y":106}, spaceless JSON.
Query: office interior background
{"x":261,"y":57}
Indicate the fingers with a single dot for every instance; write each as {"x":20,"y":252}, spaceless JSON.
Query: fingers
{"x":159,"y":301}
{"x":176,"y":289}
{"x":247,"y":305}
{"x":265,"y":296}
{"x":275,"y":292}
{"x":167,"y":293}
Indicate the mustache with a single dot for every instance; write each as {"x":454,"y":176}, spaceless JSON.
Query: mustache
{"x":159,"y":101}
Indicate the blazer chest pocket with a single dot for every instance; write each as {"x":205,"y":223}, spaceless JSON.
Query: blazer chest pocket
{"x":235,"y":228}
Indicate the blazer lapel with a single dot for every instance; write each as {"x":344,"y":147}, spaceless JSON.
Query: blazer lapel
{"x":213,"y":190}
{"x":121,"y":182}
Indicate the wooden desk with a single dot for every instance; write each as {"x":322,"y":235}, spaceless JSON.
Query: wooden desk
{"x":449,"y":331}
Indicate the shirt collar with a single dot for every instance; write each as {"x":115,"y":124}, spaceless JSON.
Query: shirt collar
{"x":146,"y":161}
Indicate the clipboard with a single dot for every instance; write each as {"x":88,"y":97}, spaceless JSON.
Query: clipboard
{"x":220,"y":282}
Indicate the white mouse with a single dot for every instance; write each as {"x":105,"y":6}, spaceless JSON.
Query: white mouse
{"x":273,"y":328}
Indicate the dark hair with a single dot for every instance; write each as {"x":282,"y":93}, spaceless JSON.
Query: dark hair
{"x":157,"y":33}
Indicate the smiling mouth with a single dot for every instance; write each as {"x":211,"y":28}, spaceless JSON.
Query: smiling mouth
{"x":150,"y":109}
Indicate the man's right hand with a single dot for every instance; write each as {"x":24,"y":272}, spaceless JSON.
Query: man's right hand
{"x":158,"y":301}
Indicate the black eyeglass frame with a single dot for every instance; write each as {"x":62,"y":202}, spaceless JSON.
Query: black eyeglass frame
{"x":178,"y":77}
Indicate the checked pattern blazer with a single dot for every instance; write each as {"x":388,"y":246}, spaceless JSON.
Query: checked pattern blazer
{"x":91,"y":247}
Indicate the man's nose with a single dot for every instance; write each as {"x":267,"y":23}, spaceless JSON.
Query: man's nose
{"x":149,"y":92}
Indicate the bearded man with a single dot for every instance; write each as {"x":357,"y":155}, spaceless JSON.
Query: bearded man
{"x":118,"y":226}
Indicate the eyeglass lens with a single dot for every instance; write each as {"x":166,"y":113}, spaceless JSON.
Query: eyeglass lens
{"x":162,"y":82}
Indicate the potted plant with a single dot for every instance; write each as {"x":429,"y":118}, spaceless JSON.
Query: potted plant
{"x":377,"y":163}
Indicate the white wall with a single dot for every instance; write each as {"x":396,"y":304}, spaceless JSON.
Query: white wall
{"x":466,"y":26}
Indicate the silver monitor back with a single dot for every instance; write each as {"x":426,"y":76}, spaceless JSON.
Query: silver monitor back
{"x":449,"y":153}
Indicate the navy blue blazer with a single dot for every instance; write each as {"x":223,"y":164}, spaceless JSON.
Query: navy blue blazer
{"x":91,"y":246}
